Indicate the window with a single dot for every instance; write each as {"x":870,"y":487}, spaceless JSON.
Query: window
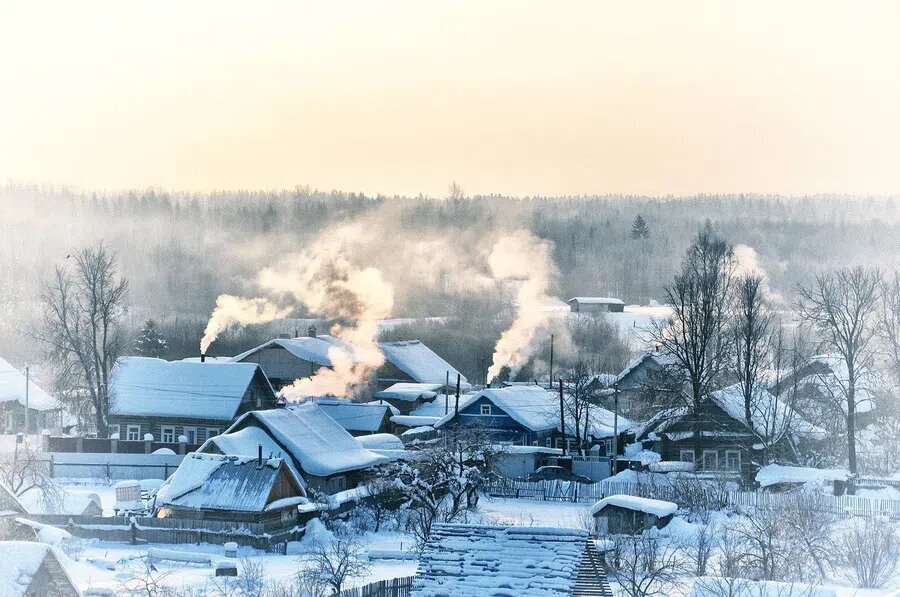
{"x":549,"y":442}
{"x":686,"y":456}
{"x":733,"y":460}
{"x":133,"y":433}
{"x":168,"y":434}
{"x":486,"y":409}
{"x":212,"y":432}
{"x":534,"y":443}
{"x":710,"y":460}
{"x":113,"y":430}
{"x":191,"y":434}
{"x":609,"y":446}
{"x":570,"y":444}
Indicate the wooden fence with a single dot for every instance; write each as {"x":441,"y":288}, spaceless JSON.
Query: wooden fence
{"x":692,"y":493}
{"x":394,"y":587}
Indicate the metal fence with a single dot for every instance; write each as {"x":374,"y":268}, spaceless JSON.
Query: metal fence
{"x":692,"y":493}
{"x":394,"y":587}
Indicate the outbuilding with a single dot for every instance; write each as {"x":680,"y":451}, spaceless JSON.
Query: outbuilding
{"x":630,"y":514}
{"x":596,"y":304}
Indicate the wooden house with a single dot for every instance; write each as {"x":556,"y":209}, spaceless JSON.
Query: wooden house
{"x":727,"y":442}
{"x":231,"y":488}
{"x":649,"y":381}
{"x":33,"y":570}
{"x":43,"y":410}
{"x":358,"y":418}
{"x":630,"y":515}
{"x":407,"y":397}
{"x":596,"y":304}
{"x":197,"y":400}
{"x":465,"y":560}
{"x":322,"y":454}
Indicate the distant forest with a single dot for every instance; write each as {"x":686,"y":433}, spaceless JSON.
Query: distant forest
{"x":180,"y":251}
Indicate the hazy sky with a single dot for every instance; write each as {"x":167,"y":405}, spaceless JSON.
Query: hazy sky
{"x":403,"y":97}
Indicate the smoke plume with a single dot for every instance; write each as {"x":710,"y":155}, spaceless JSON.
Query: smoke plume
{"x":521,"y":256}
{"x":326,"y":280}
{"x":748,"y":264}
{"x":234,"y":310}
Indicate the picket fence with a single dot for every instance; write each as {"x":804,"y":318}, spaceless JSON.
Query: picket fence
{"x":583,"y":492}
{"x":394,"y":587}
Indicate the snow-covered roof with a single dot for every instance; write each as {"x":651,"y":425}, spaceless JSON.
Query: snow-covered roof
{"x":467,"y":560}
{"x":769,"y":415}
{"x":9,"y":501}
{"x":531,"y":406}
{"x":307,"y":348}
{"x":772,"y":474}
{"x":658,"y":508}
{"x":596,"y":300}
{"x":143,"y":386}
{"x":409,"y":391}
{"x":663,"y":359}
{"x":834,"y":381}
{"x":660,"y":420}
{"x":218,"y":482}
{"x":413,"y":421}
{"x":21,"y":561}
{"x":435,"y":408}
{"x":381,"y":441}
{"x":603,"y":422}
{"x":355,"y":416}
{"x":66,"y":503}
{"x":420,"y":362}
{"x":393,"y":408}
{"x":246,"y":442}
{"x":12,"y":387}
{"x":315,"y":440}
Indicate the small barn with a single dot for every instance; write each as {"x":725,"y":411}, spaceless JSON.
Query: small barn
{"x":322,"y":453}
{"x":231,"y":488}
{"x":33,"y":570}
{"x":464,"y":560}
{"x":630,"y":514}
{"x":596,"y":304}
{"x":43,"y":410}
{"x":409,"y":396}
{"x":170,"y":399}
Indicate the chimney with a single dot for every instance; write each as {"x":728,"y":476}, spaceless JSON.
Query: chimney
{"x":259,"y":455}
{"x":202,"y":357}
{"x":311,"y":331}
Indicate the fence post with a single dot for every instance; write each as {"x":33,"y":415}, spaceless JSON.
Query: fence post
{"x":79,"y":444}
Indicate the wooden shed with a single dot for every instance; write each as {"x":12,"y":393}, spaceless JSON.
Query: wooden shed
{"x":630,"y":514}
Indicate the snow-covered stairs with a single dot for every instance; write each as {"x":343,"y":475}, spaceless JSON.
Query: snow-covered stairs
{"x":591,"y":580}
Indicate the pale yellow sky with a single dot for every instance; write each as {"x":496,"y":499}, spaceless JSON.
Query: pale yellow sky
{"x":402,"y":97}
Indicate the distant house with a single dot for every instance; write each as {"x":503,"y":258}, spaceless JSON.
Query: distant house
{"x":471,"y":560}
{"x":43,"y":409}
{"x":648,"y":381}
{"x":727,"y":442}
{"x":231,"y":488}
{"x":630,"y":515}
{"x":425,"y":414}
{"x":359,"y":418}
{"x":183,"y":398}
{"x":33,"y":570}
{"x":323,"y":454}
{"x":284,"y":360}
{"x":407,"y":397}
{"x":10,"y":509}
{"x":596,"y":304}
{"x":527,"y":415}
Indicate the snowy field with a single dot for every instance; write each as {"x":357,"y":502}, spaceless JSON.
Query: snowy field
{"x":106,"y":565}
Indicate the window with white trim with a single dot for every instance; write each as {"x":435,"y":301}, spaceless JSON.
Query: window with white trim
{"x":486,"y":409}
{"x":134,"y":433}
{"x":710,"y":460}
{"x":733,"y":460}
{"x":212,"y":432}
{"x":168,"y":434}
{"x":686,"y":456}
{"x":191,"y":434}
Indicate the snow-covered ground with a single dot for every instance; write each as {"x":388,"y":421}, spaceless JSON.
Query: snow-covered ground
{"x":391,"y":554}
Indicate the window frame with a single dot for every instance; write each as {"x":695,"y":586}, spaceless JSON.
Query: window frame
{"x":137,"y":433}
{"x":186,"y":431}
{"x":693,"y":457}
{"x":486,"y":410}
{"x":215,"y":431}
{"x":714,"y":453}
{"x":728,"y":464}
{"x":173,"y":437}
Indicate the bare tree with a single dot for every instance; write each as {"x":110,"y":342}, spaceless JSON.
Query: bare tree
{"x":83,"y":307}
{"x":696,"y":335}
{"x":645,"y":566}
{"x":26,"y":470}
{"x":889,"y":323}
{"x":870,"y":549}
{"x":339,"y":561}
{"x":843,"y":306}
{"x":752,"y":325}
{"x":580,"y":396}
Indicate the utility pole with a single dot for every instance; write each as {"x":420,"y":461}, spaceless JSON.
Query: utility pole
{"x":551,"y":360}
{"x":456,"y":407}
{"x":562,"y":419}
{"x":615,"y":454}
{"x":447,"y":393}
{"x":27,"y":413}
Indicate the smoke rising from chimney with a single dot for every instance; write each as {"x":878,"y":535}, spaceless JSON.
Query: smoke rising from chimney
{"x":747,"y":261}
{"x":521,"y":256}
{"x":330,"y":285}
{"x":234,"y":310}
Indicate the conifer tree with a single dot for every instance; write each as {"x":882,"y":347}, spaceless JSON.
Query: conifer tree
{"x":150,"y":342}
{"x":640,"y":229}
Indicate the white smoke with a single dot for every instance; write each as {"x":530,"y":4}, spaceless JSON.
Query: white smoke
{"x":234,"y":310}
{"x":524,"y":257}
{"x":747,"y":263}
{"x":330,"y":285}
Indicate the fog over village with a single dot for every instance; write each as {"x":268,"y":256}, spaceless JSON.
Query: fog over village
{"x":420,"y":300}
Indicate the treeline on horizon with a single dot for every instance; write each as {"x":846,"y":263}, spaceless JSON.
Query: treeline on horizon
{"x":180,"y":251}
